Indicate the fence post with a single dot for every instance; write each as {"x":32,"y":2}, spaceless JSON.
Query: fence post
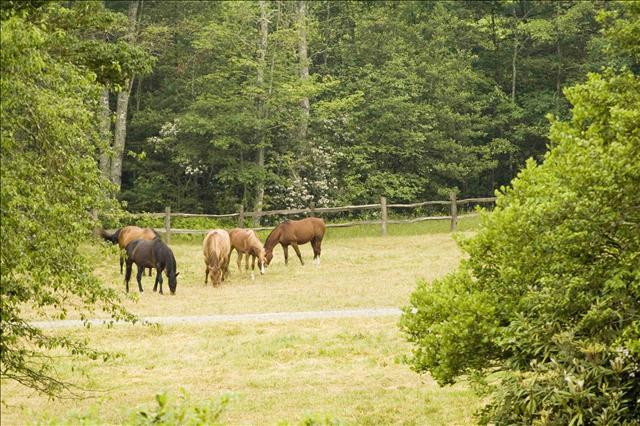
{"x":312,"y":208}
{"x":167,"y":224}
{"x":241,"y":216}
{"x":383,"y":214}
{"x":454,"y":211}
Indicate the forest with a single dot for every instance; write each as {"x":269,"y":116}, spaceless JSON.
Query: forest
{"x":277,"y":104}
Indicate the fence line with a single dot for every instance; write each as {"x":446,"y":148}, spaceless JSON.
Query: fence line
{"x":312,"y":210}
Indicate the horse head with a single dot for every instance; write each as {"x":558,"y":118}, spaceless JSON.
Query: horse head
{"x":173,"y":282}
{"x":267,"y":257}
{"x":261,"y":254}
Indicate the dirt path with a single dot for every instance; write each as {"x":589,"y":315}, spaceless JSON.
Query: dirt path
{"x":211,"y":319}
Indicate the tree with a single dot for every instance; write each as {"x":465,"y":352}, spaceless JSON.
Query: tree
{"x":122,"y":104}
{"x":549,"y":294}
{"x":50,"y":181}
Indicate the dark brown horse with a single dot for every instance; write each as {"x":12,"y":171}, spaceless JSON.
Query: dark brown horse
{"x":123,"y":236}
{"x":295,"y":232}
{"x":151,"y":254}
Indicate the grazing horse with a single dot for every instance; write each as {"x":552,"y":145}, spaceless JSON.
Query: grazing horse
{"x":151,"y":254}
{"x":247,"y":243}
{"x":295,"y":232}
{"x":124,"y":236}
{"x":216,"y":248}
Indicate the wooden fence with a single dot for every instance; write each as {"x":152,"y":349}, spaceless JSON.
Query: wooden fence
{"x":312,"y":210}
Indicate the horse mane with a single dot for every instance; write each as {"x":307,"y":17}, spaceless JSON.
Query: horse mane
{"x":272,"y":239}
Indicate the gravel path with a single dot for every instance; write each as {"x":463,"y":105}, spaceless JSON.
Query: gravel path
{"x":212,"y":319}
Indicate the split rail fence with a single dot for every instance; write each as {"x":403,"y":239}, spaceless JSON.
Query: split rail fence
{"x":383,"y":207}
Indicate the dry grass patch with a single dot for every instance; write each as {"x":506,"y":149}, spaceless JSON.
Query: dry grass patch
{"x":348,"y":370}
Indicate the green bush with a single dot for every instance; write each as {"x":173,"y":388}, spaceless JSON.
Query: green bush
{"x":185,"y":412}
{"x":546,"y":309}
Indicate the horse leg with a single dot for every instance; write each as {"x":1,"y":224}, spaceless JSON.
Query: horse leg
{"x":295,"y":247}
{"x":139,"y":277}
{"x":150,"y":271}
{"x":239,"y":262}
{"x":159,"y":278}
{"x":253,"y":267}
{"x":127,"y":276}
{"x":206,"y":275}
{"x":121,"y":262}
{"x":316,"y":244}
{"x":227,"y":261}
{"x":285,"y":248}
{"x":155,"y":283}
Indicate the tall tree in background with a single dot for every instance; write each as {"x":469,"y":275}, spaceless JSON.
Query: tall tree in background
{"x":122,"y":103}
{"x":263,"y":35}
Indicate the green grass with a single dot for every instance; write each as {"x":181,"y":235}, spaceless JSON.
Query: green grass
{"x":347,"y":369}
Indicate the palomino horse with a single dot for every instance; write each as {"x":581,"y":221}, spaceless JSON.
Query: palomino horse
{"x":295,"y":232}
{"x":151,"y":254}
{"x":124,"y":236}
{"x":216,"y":248}
{"x":247,"y":243}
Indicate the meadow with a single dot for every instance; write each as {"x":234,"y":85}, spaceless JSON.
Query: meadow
{"x":333,"y":370}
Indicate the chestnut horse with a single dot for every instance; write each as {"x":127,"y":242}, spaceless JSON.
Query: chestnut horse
{"x":295,"y":232}
{"x":247,"y":243}
{"x":124,"y":236}
{"x":216,"y":248}
{"x":151,"y":254}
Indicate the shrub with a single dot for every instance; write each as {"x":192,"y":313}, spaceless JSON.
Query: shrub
{"x":546,"y":309}
{"x":184,"y":412}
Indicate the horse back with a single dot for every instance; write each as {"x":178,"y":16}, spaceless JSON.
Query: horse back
{"x":132,"y":232}
{"x":141,"y":253}
{"x":305,"y":230}
{"x":217,"y":243}
{"x":244,"y":239}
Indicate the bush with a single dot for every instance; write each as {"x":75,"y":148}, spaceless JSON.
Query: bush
{"x":184,"y":412}
{"x":546,"y":309}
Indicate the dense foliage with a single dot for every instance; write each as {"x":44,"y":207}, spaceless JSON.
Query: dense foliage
{"x":50,"y":181}
{"x":407,"y":99}
{"x":546,"y":310}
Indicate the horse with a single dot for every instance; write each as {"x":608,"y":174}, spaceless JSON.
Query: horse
{"x":124,"y":236}
{"x":151,"y":254}
{"x":216,"y":248}
{"x":246,"y":242}
{"x":295,"y":232}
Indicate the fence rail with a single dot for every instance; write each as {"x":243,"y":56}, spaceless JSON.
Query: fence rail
{"x":453,"y":217}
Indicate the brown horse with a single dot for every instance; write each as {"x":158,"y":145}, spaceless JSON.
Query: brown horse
{"x":124,"y":236}
{"x":295,"y":232}
{"x":247,"y":243}
{"x":216,"y":248}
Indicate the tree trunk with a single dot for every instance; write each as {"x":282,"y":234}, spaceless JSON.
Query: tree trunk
{"x":514,"y":69}
{"x":515,"y":56}
{"x":304,"y":69}
{"x":105,"y":133}
{"x":122,"y":106}
{"x":262,"y":64}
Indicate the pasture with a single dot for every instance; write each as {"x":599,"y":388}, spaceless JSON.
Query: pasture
{"x":348,"y":370}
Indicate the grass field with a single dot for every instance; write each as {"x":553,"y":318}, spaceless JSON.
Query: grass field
{"x":349,"y":370}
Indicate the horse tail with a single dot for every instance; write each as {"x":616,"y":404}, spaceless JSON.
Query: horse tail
{"x":112,"y":238}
